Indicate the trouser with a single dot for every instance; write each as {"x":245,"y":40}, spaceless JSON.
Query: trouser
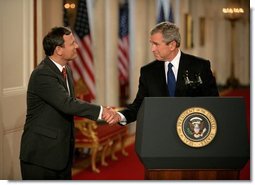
{"x":34,"y":172}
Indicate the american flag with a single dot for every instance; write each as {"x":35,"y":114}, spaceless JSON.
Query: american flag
{"x":161,"y":15}
{"x":171,"y":14}
{"x":123,"y":52}
{"x":83,"y":66}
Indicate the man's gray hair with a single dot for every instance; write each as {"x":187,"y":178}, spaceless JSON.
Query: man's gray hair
{"x":169,"y":31}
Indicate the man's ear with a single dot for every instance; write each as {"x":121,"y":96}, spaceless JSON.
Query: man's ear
{"x":59,"y":50}
{"x":173,"y":45}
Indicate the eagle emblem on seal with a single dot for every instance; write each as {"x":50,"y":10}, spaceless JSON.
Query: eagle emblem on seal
{"x":197,"y":127}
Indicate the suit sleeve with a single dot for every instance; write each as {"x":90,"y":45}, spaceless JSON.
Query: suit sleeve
{"x":132,"y":109}
{"x":210,"y":81}
{"x":49,"y":88}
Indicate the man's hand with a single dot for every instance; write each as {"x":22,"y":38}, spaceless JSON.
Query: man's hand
{"x":110,"y":115}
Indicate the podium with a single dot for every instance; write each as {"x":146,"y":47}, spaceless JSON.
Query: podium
{"x":203,"y":138}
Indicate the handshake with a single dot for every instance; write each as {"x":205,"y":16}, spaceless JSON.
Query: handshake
{"x":110,"y":115}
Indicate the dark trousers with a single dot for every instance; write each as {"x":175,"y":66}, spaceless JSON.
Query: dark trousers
{"x":34,"y":172}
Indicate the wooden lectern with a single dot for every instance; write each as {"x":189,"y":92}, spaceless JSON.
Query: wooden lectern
{"x":192,"y":138}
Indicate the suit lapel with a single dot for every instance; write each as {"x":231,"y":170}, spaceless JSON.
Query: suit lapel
{"x":180,"y":84}
{"x":162,"y":79}
{"x":56,"y":70}
{"x":70,"y":81}
{"x":52,"y":66}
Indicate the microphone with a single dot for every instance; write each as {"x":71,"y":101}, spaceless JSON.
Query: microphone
{"x":197,"y":81}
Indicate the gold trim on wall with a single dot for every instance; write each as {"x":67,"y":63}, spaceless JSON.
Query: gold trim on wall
{"x":188,"y":31}
{"x":202,"y":31}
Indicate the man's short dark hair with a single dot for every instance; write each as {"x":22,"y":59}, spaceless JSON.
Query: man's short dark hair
{"x":54,"y":38}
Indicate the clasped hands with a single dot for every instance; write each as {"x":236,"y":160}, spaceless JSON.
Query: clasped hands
{"x":110,"y":115}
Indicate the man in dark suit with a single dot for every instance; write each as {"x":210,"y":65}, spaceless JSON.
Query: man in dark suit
{"x":47,"y":142}
{"x":191,"y":75}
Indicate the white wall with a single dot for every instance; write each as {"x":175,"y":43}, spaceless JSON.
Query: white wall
{"x":16,"y":60}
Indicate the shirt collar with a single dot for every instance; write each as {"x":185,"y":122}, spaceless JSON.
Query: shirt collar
{"x":175,"y":61}
{"x":58,"y":65}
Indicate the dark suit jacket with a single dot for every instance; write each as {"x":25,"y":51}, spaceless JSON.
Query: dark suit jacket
{"x":152,"y":82}
{"x":48,"y":137}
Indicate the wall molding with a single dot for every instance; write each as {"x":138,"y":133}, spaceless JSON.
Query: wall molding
{"x":14,"y":130}
{"x":14,"y":91}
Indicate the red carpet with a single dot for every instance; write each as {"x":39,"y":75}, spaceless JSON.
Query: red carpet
{"x":125,"y":168}
{"x":244,"y":92}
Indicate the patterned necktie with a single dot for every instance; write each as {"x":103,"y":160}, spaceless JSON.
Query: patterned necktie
{"x":170,"y":80}
{"x":64,"y":73}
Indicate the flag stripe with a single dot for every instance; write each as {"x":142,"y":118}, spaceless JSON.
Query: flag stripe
{"x":83,"y":65}
{"x":123,"y":59}
{"x":85,"y":57}
{"x":80,"y":69}
{"x":123,"y":46}
{"x":82,"y":62}
{"x":75,"y":73}
{"x":87,"y":43}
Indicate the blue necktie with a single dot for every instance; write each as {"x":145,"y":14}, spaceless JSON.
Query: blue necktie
{"x":170,"y":80}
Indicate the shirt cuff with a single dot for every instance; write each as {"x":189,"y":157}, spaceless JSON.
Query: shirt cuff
{"x":123,"y":120}
{"x":100,"y":113}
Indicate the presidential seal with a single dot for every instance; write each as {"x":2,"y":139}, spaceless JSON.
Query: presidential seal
{"x":196,"y":127}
